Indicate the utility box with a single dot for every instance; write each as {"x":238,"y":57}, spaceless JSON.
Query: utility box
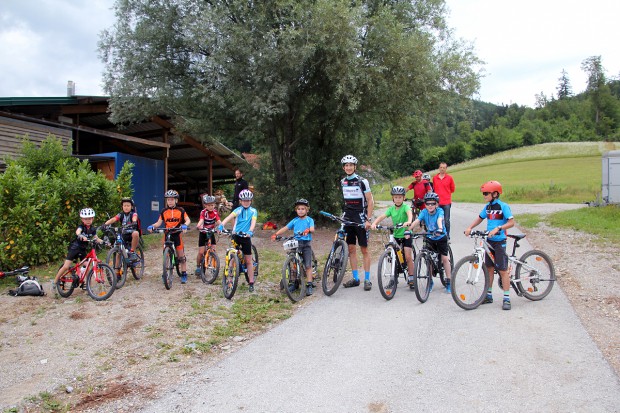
{"x":611,"y":177}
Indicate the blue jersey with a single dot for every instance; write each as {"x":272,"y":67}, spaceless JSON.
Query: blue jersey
{"x":430,"y":222}
{"x":497,"y":213}
{"x":244,"y":218}
{"x":299,"y":225}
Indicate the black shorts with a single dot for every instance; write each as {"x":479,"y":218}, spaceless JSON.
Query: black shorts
{"x":306,"y":248}
{"x":358,"y":233}
{"x":202,"y":239}
{"x":440,"y":246}
{"x":501,"y":258}
{"x":245,"y":243}
{"x":76,"y":251}
{"x":405,"y":242}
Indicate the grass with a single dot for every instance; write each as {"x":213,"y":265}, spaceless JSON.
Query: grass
{"x":601,"y":221}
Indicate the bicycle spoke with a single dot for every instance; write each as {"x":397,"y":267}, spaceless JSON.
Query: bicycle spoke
{"x":469,"y":282}
{"x":536,"y":275}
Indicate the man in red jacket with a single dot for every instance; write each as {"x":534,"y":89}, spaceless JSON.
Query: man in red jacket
{"x":444,"y":187}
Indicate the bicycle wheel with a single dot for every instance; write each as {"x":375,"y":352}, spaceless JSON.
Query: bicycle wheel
{"x":67,"y":283}
{"x":254,"y":263}
{"x":335,"y":267}
{"x":470,"y":280}
{"x":387,"y":274}
{"x":316,"y":276}
{"x":537,"y":275}
{"x":209,"y":267}
{"x":116,"y":260}
{"x":101,"y":282}
{"x":423,"y":276}
{"x":293,"y":279}
{"x":137,"y":268}
{"x":230,"y":278}
{"x":442,"y":272}
{"x":169,"y":264}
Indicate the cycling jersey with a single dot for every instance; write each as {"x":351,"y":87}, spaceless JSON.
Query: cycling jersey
{"x":209,"y":218}
{"x":398,"y":217}
{"x":173,"y":217}
{"x":354,"y":190}
{"x":299,"y":225}
{"x":244,"y":218}
{"x":419,"y":190}
{"x":497,"y":214}
{"x":430,"y":221}
{"x":125,"y":219}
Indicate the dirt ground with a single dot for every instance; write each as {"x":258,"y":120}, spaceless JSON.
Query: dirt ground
{"x":117,"y":354}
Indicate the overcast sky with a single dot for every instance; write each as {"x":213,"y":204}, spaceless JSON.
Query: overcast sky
{"x":525,"y":44}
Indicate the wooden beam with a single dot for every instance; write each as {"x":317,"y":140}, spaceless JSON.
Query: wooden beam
{"x":75,"y":109}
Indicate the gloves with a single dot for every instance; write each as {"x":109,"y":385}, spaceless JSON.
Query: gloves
{"x":306,"y":231}
{"x":184,"y":227}
{"x":220,"y":228}
{"x":251,"y":233}
{"x":150,"y":228}
{"x":273,"y":237}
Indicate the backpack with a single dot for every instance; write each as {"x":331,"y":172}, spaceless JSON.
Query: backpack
{"x":30,"y":286}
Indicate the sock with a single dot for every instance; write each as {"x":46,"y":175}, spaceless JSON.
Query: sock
{"x":367,"y":275}
{"x":184,"y":273}
{"x":447,"y":282}
{"x":355,"y":276}
{"x":507,"y":295}
{"x":490,"y":291}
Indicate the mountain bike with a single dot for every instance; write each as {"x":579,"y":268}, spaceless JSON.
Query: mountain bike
{"x":392,"y":262}
{"x":170,"y":259}
{"x":336,"y":263}
{"x":209,"y":262}
{"x":20,"y":272}
{"x":118,"y":257}
{"x":532,"y":277}
{"x":294,"y":270}
{"x":427,"y":265}
{"x":91,"y":273}
{"x":234,"y":264}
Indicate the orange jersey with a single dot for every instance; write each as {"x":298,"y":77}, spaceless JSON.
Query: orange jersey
{"x":173,"y":217}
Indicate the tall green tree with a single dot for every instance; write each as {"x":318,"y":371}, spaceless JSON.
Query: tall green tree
{"x":564,"y":88}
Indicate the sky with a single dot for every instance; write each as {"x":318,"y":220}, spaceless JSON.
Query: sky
{"x":525,"y":44}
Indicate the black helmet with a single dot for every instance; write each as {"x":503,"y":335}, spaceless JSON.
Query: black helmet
{"x":127,"y":199}
{"x":302,"y":201}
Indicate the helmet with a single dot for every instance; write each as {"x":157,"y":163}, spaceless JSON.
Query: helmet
{"x":171,"y":193}
{"x":431,"y":196}
{"x":349,"y":159}
{"x":127,"y":199}
{"x":398,"y":190}
{"x":426,"y":177}
{"x":302,"y":201}
{"x":417,"y":173}
{"x":245,"y":195}
{"x":87,"y":213}
{"x":208,"y":199}
{"x":491,"y":186}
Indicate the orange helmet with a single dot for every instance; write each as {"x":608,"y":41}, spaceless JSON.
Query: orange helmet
{"x":491,"y":186}
{"x":417,"y":173}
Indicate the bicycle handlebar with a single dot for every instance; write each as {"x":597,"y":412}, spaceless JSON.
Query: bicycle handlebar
{"x":172,"y":230}
{"x":239,"y":234}
{"x":23,"y":270}
{"x":342,"y":221}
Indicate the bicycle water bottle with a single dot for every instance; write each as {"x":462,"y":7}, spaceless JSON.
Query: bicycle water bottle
{"x":400,"y":256}
{"x":82,"y":270}
{"x":434,"y":256}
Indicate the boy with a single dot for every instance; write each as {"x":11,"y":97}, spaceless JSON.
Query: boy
{"x":245,"y":220}
{"x":174,"y":217}
{"x":128,"y":216}
{"x":77,"y":248}
{"x":358,"y":207}
{"x":499,"y":219}
{"x":209,"y":218}
{"x":432,"y":217}
{"x":303,"y":227}
{"x":401,"y":214}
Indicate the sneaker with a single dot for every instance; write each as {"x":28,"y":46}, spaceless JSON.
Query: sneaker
{"x":309,"y":289}
{"x":432,"y":284}
{"x":448,"y":289}
{"x":367,"y":285}
{"x":198,"y":272}
{"x":251,"y":288}
{"x":506,"y":305}
{"x":292,"y":287}
{"x":133,"y":257}
{"x":352,"y":283}
{"x":488,"y":299}
{"x":183,"y":278}
{"x":410,"y":280}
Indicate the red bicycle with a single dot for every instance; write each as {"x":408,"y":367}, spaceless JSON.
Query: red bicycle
{"x":91,"y":273}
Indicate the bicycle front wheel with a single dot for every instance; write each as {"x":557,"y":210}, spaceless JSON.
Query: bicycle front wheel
{"x":100,"y":282}
{"x":423,"y":276}
{"x":67,"y":283}
{"x":209,"y":267}
{"x":335,"y":267}
{"x":442,"y":272}
{"x":469,"y":282}
{"x":230,"y":278}
{"x":293,"y":274}
{"x":168,"y":267}
{"x":116,"y":260}
{"x":536,"y":275}
{"x":254,"y":264}
{"x":387,"y":276}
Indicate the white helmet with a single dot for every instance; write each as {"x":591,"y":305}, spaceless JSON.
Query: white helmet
{"x":171,"y":193}
{"x":426,"y":177}
{"x":87,"y":213}
{"x":349,"y":159}
{"x":245,"y":195}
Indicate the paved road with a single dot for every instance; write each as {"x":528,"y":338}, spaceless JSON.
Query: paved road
{"x":356,"y":352}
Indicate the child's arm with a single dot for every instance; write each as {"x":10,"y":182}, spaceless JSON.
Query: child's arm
{"x":112,"y":220}
{"x":155,"y":225}
{"x":509,"y":224}
{"x":228,"y":218}
{"x":252,"y":225}
{"x":409,"y":218}
{"x":377,"y":220}
{"x":279,"y":232}
{"x":414,"y":223}
{"x":200,"y":223}
{"x":476,"y":221}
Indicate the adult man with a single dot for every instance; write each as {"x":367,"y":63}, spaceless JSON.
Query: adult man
{"x":240,"y":185}
{"x":444,"y":187}
{"x":420,"y":188}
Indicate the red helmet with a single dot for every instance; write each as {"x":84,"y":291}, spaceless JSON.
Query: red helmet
{"x":417,"y":173}
{"x":491,"y":186}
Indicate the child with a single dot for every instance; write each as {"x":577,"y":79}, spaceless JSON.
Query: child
{"x":432,"y":217}
{"x":401,"y":214}
{"x":128,"y":217}
{"x":303,"y":227}
{"x":245,"y":220}
{"x":77,"y":248}
{"x":209,"y":218}
{"x":174,"y":217}
{"x":499,"y":219}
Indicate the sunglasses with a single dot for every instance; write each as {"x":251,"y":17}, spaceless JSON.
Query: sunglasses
{"x":486,"y":193}
{"x":431,"y":203}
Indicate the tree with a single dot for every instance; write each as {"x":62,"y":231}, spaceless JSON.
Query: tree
{"x":305,"y":79}
{"x":564,"y":88}
{"x":605,"y":106}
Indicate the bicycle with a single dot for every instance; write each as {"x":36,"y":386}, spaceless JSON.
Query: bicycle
{"x":533,"y":277}
{"x":20,"y":273}
{"x":91,"y":273}
{"x":118,"y":256}
{"x":170,"y":261}
{"x":294,"y":270}
{"x":392,"y":263}
{"x":427,"y":265}
{"x":234,"y":264}
{"x":336,"y":263}
{"x":209,"y":262}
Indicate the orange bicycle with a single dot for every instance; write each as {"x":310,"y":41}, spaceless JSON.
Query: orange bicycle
{"x":210,"y":262}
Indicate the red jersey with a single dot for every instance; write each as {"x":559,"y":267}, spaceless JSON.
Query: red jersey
{"x":419,"y":190}
{"x":209,"y":218}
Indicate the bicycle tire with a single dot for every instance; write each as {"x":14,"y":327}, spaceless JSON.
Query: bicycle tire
{"x":316,"y":276}
{"x":467,"y":292}
{"x":254,"y":263}
{"x":168,"y":266}
{"x":293,"y":278}
{"x":66,"y":283}
{"x":100,"y":282}
{"x":423,"y":276}
{"x":442,"y":273}
{"x":209,"y":267}
{"x":137,"y":268}
{"x":230,"y":278}
{"x":387,"y":274}
{"x":120,"y":269}
{"x":335,"y":267}
{"x":544,"y":275}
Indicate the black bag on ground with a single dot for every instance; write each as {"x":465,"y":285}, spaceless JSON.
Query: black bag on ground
{"x":30,"y":286}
